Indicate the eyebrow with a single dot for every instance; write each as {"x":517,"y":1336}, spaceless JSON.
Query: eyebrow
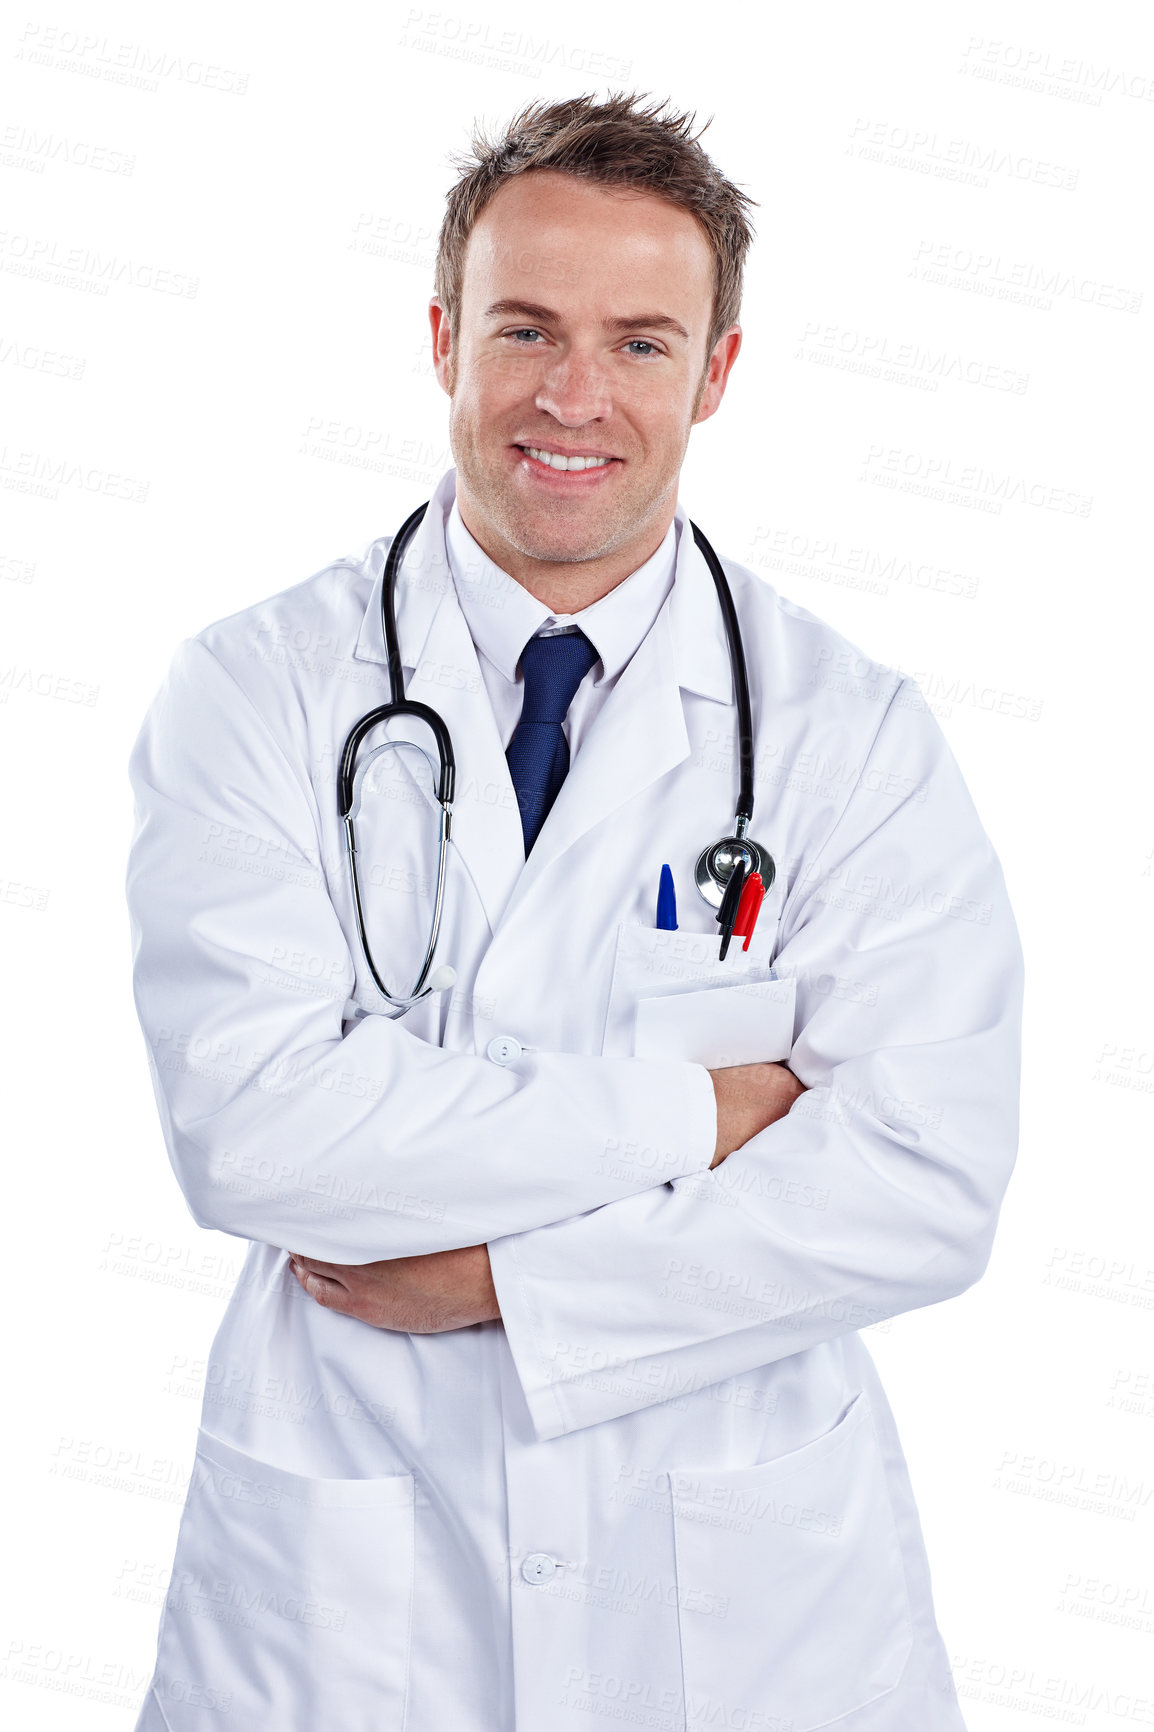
{"x":530,"y":309}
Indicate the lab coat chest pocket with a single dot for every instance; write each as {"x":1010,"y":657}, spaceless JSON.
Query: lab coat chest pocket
{"x":791,"y":1592}
{"x":722,"y":1026}
{"x":672,"y":996}
{"x":290,"y":1600}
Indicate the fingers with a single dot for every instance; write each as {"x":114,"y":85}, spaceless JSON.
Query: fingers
{"x":334,"y":1271}
{"x":328,"y":1293}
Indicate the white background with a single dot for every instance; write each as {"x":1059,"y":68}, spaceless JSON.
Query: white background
{"x":214,"y":379}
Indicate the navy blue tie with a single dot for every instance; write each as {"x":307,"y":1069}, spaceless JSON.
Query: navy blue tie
{"x":538,"y":753}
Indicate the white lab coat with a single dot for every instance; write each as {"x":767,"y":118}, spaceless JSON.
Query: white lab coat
{"x":666,"y":1488}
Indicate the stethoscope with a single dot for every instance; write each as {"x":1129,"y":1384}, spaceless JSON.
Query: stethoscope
{"x":722,"y":869}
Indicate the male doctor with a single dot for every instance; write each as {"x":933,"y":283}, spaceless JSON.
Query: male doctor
{"x":541,"y":1400}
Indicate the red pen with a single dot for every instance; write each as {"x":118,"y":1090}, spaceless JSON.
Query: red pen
{"x":748,"y":909}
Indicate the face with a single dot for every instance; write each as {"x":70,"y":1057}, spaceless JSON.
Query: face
{"x":582,"y":329}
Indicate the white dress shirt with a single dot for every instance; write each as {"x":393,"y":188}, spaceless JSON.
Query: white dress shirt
{"x":502,"y":616}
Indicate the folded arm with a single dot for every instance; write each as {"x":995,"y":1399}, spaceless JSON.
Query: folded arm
{"x":281,"y":1127}
{"x":878,"y":1192}
{"x":426,"y":1295}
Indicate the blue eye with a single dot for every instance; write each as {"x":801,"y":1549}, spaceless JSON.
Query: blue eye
{"x":633,"y":343}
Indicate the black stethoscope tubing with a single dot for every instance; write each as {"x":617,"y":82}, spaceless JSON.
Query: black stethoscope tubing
{"x":740,"y":680}
{"x":739,"y":851}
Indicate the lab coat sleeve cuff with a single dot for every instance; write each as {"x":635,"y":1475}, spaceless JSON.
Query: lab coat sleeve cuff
{"x":524,"y":1331}
{"x":664,"y":1120}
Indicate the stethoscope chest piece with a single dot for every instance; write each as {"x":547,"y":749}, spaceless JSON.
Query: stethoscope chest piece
{"x":715,"y":866}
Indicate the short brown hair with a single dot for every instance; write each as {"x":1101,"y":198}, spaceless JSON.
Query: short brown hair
{"x":616,"y":143}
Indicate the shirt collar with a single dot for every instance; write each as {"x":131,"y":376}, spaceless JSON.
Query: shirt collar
{"x":502,"y":615}
{"x":701,"y":655}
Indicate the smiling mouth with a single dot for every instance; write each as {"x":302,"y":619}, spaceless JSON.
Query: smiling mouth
{"x":562,"y":463}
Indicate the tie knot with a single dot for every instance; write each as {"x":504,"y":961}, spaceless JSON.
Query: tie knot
{"x":554,"y":667}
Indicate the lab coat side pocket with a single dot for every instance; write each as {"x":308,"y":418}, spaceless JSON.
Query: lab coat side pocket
{"x":291,"y":1599}
{"x":791,"y":1590}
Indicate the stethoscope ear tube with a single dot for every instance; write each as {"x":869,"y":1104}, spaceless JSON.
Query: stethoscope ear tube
{"x":446,"y":776}
{"x":397,"y":548}
{"x":397,"y":705}
{"x":447,"y":773}
{"x":740,"y":681}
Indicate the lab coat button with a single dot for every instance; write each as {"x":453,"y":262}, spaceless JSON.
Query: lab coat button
{"x":504,"y":1049}
{"x":538,"y":1567}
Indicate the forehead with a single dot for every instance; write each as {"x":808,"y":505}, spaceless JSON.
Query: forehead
{"x":546,"y":227}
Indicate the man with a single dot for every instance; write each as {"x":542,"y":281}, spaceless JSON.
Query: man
{"x":542,"y":1394}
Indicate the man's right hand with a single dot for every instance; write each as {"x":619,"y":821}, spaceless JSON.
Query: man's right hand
{"x":750,"y":1097}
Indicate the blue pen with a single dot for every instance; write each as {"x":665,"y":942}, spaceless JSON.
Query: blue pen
{"x":666,"y":902}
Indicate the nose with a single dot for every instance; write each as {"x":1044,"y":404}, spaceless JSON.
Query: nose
{"x":575,"y":390}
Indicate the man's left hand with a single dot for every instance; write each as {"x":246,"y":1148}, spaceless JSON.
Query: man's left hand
{"x":421,"y":1295}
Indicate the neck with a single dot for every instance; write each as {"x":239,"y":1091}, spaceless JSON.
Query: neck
{"x":565,"y":586}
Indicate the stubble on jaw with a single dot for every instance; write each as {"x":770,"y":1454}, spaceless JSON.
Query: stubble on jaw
{"x":494,"y":502}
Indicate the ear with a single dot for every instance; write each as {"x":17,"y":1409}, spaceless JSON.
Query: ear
{"x":717,"y":373}
{"x":443,"y":357}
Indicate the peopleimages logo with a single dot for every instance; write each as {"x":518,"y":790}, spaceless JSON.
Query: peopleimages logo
{"x":958,"y":159}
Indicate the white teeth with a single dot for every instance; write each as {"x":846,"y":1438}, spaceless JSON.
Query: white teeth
{"x":556,"y":461}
